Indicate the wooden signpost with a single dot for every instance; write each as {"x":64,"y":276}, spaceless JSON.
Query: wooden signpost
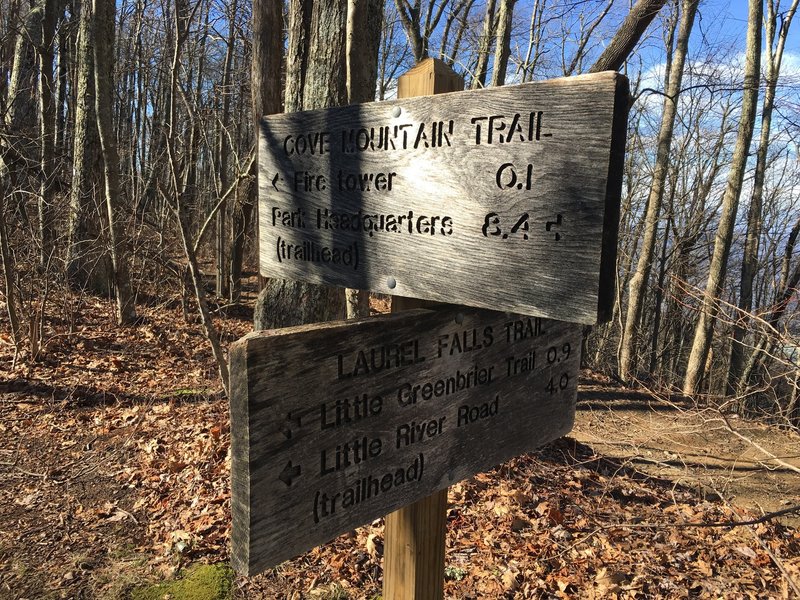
{"x":504,"y":198}
{"x":338,"y":424}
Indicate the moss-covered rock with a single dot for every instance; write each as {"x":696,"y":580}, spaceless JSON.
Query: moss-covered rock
{"x":203,"y":582}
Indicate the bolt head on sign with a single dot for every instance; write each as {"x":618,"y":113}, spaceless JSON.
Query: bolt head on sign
{"x":503,"y":198}
{"x":336,"y":424}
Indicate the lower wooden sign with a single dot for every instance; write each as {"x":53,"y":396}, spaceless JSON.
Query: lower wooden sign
{"x":336,"y":424}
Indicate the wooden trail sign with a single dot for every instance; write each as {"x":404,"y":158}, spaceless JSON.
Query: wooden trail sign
{"x":504,"y":198}
{"x":337,"y":424}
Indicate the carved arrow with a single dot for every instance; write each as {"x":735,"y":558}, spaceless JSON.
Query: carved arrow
{"x":557,"y":223}
{"x":286,"y":428}
{"x":289,"y":472}
{"x":274,"y":180}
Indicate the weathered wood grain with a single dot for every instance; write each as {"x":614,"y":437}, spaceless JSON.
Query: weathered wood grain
{"x":414,"y":535}
{"x":503,"y":198}
{"x":425,"y":398}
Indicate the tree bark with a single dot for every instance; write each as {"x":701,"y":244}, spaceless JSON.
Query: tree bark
{"x":363,"y":20}
{"x":265,"y":90}
{"x":503,"y":42}
{"x":223,"y":152}
{"x":754,"y":215}
{"x":787,"y":288}
{"x":627,"y":36}
{"x":87,"y":261}
{"x":528,"y":66}
{"x":46,"y":131}
{"x":639,"y":281}
{"x":296,"y":52}
{"x":410,"y":19}
{"x":730,"y":203}
{"x":484,"y":43}
{"x":18,"y":139}
{"x":9,"y":276}
{"x":283,"y":303}
{"x":104,"y":11}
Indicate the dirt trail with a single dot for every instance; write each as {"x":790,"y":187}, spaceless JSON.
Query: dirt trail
{"x":693,"y":447}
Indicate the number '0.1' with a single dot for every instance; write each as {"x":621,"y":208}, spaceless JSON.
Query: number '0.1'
{"x":508,"y":178}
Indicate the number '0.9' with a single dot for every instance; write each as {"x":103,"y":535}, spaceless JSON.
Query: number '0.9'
{"x":552,"y":354}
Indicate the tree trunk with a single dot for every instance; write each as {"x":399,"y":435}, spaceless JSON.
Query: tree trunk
{"x":528,"y":66}
{"x":459,"y":13}
{"x":627,"y":36}
{"x":223,"y":180}
{"x":180,"y":185}
{"x":754,"y":215}
{"x":463,"y":24}
{"x":64,"y":49}
{"x":265,"y":90}
{"x":662,"y":278}
{"x":503,"y":42}
{"x":18,"y":147}
{"x":730,"y":203}
{"x":586,"y":35}
{"x":46,"y":131}
{"x":9,"y":276}
{"x":104,"y":11}
{"x":484,"y":43}
{"x":296,"y":52}
{"x":787,"y":288}
{"x":410,"y":20}
{"x":283,"y":303}
{"x":639,"y":281}
{"x":87,"y":260}
{"x":363,"y":20}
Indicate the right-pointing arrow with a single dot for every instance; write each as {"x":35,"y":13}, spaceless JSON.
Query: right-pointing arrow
{"x":289,"y":472}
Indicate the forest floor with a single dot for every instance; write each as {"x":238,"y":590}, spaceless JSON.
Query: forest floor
{"x":114,"y":475}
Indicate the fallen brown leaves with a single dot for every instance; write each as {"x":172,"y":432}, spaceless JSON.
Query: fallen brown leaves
{"x":114,"y":470}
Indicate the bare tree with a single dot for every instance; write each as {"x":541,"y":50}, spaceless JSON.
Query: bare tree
{"x":627,"y":35}
{"x":754,"y":216}
{"x":640,"y":278}
{"x":730,"y":202}
{"x":503,"y":42}
{"x":47,"y":125}
{"x":484,"y":44}
{"x":87,"y":262}
{"x":420,"y":22}
{"x":104,"y":11}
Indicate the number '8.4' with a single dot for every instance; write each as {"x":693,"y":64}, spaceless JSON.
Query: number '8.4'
{"x":494,"y":227}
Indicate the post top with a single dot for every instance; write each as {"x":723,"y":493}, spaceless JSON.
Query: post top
{"x":429,"y":76}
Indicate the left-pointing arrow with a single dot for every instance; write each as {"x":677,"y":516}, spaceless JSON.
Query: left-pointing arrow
{"x":275,"y":180}
{"x":291,"y":420}
{"x":289,"y":473}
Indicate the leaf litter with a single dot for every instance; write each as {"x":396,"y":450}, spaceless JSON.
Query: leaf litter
{"x":114,"y":467}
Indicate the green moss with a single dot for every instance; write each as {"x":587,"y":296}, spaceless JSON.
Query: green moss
{"x":203,"y":582}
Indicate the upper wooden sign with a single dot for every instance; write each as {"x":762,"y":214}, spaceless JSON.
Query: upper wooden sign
{"x":504,"y":198}
{"x":336,"y":424}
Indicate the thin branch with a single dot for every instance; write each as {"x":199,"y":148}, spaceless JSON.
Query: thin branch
{"x":243,"y":174}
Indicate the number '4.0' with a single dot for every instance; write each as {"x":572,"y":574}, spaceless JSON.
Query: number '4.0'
{"x":559,"y":385}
